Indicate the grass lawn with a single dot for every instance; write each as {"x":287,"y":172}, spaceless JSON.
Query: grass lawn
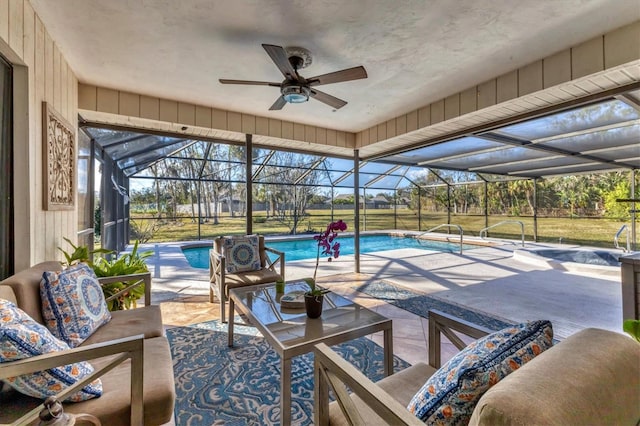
{"x":583,"y":231}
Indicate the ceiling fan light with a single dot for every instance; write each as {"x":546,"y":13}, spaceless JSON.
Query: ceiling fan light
{"x":295,"y":94}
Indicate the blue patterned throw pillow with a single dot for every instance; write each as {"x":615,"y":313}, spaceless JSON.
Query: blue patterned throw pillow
{"x":22,"y":337}
{"x":241,"y":253}
{"x":73,"y":304}
{"x":451,"y":394}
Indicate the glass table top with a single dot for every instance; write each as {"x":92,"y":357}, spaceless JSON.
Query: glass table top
{"x":292,"y":327}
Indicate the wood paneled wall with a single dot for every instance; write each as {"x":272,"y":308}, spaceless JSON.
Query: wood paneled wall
{"x":93,"y":98}
{"x":41,"y":73}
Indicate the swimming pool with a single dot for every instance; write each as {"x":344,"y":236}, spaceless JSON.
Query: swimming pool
{"x":588,"y":257}
{"x":300,"y":249}
{"x":575,"y":260}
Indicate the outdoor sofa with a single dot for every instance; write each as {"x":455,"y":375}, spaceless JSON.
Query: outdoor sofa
{"x":133,"y":342}
{"x":590,"y":378}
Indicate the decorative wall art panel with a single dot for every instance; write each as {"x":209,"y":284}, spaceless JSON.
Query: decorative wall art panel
{"x":59,"y":152}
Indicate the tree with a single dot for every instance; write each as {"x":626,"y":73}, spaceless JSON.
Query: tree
{"x":614,"y":209}
{"x":291,"y":186}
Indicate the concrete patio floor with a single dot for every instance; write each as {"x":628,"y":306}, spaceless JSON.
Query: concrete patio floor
{"x":486,"y":279}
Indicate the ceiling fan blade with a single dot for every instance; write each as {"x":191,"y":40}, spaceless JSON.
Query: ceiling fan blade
{"x":278,"y":104}
{"x":249,"y":82}
{"x":354,"y":73}
{"x":281,"y":59}
{"x":327,"y":99}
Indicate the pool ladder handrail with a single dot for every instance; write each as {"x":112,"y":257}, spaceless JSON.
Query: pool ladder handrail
{"x":617,"y":237}
{"x":483,"y":231}
{"x":444,"y":225}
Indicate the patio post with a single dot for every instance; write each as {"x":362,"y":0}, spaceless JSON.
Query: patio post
{"x":535,"y":210}
{"x":364,"y":208}
{"x":448,"y":204}
{"x":198,"y":187}
{"x":419,"y":209}
{"x":633,"y":209}
{"x":295,"y":210}
{"x":486,"y":204}
{"x":333,"y":190}
{"x":395,"y":209}
{"x":248,"y":183}
{"x":356,"y":226}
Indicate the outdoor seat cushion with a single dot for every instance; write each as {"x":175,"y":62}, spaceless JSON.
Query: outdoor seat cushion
{"x":243,"y":279}
{"x":130,"y":322}
{"x":26,"y":287}
{"x":112,"y":408}
{"x":402,"y":385}
{"x":591,"y":377}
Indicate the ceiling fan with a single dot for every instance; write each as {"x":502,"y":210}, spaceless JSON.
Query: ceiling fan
{"x":295,"y":88}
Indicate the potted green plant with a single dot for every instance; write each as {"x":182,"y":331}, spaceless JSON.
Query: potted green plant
{"x":327,"y":246}
{"x":128,"y":263}
{"x":80,"y":254}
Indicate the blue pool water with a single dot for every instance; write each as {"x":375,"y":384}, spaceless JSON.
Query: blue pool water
{"x":300,"y":249}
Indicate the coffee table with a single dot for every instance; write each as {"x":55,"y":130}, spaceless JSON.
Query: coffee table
{"x":291,"y":333}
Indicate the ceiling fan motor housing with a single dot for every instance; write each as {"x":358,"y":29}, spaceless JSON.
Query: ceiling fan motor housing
{"x":294,"y":92}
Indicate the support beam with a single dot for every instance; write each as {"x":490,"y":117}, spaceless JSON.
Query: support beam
{"x":634,"y":211}
{"x":356,"y":216}
{"x":364,"y":207}
{"x":535,"y":210}
{"x":199,"y":189}
{"x":486,"y":204}
{"x":249,"y":183}
{"x":419,"y":208}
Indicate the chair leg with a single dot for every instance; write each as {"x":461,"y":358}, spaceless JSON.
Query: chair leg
{"x":210,"y":294}
{"x":223,"y":317}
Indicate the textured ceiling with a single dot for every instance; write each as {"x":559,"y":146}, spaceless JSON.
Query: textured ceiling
{"x":415,"y":51}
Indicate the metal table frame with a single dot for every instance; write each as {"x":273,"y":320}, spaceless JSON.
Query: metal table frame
{"x":363,"y":322}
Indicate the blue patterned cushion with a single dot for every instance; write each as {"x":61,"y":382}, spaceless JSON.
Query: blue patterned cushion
{"x":21,"y":337}
{"x":451,"y":394}
{"x":73,"y":304}
{"x":241,"y":253}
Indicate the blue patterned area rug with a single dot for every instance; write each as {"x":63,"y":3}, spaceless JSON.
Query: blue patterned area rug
{"x":218,"y":385}
{"x":419,"y":304}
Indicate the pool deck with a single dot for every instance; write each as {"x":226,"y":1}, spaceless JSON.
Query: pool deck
{"x":487,"y":279}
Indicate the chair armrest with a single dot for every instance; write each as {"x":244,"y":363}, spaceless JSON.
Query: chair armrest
{"x":141,"y":278}
{"x":279,"y":261}
{"x":217,"y":266}
{"x":442,"y":323}
{"x":332,"y":371}
{"x":127,"y":348}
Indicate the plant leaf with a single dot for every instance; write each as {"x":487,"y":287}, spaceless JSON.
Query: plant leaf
{"x":632,"y":327}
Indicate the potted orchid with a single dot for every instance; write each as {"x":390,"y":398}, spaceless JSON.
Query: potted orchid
{"x":327,"y":246}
